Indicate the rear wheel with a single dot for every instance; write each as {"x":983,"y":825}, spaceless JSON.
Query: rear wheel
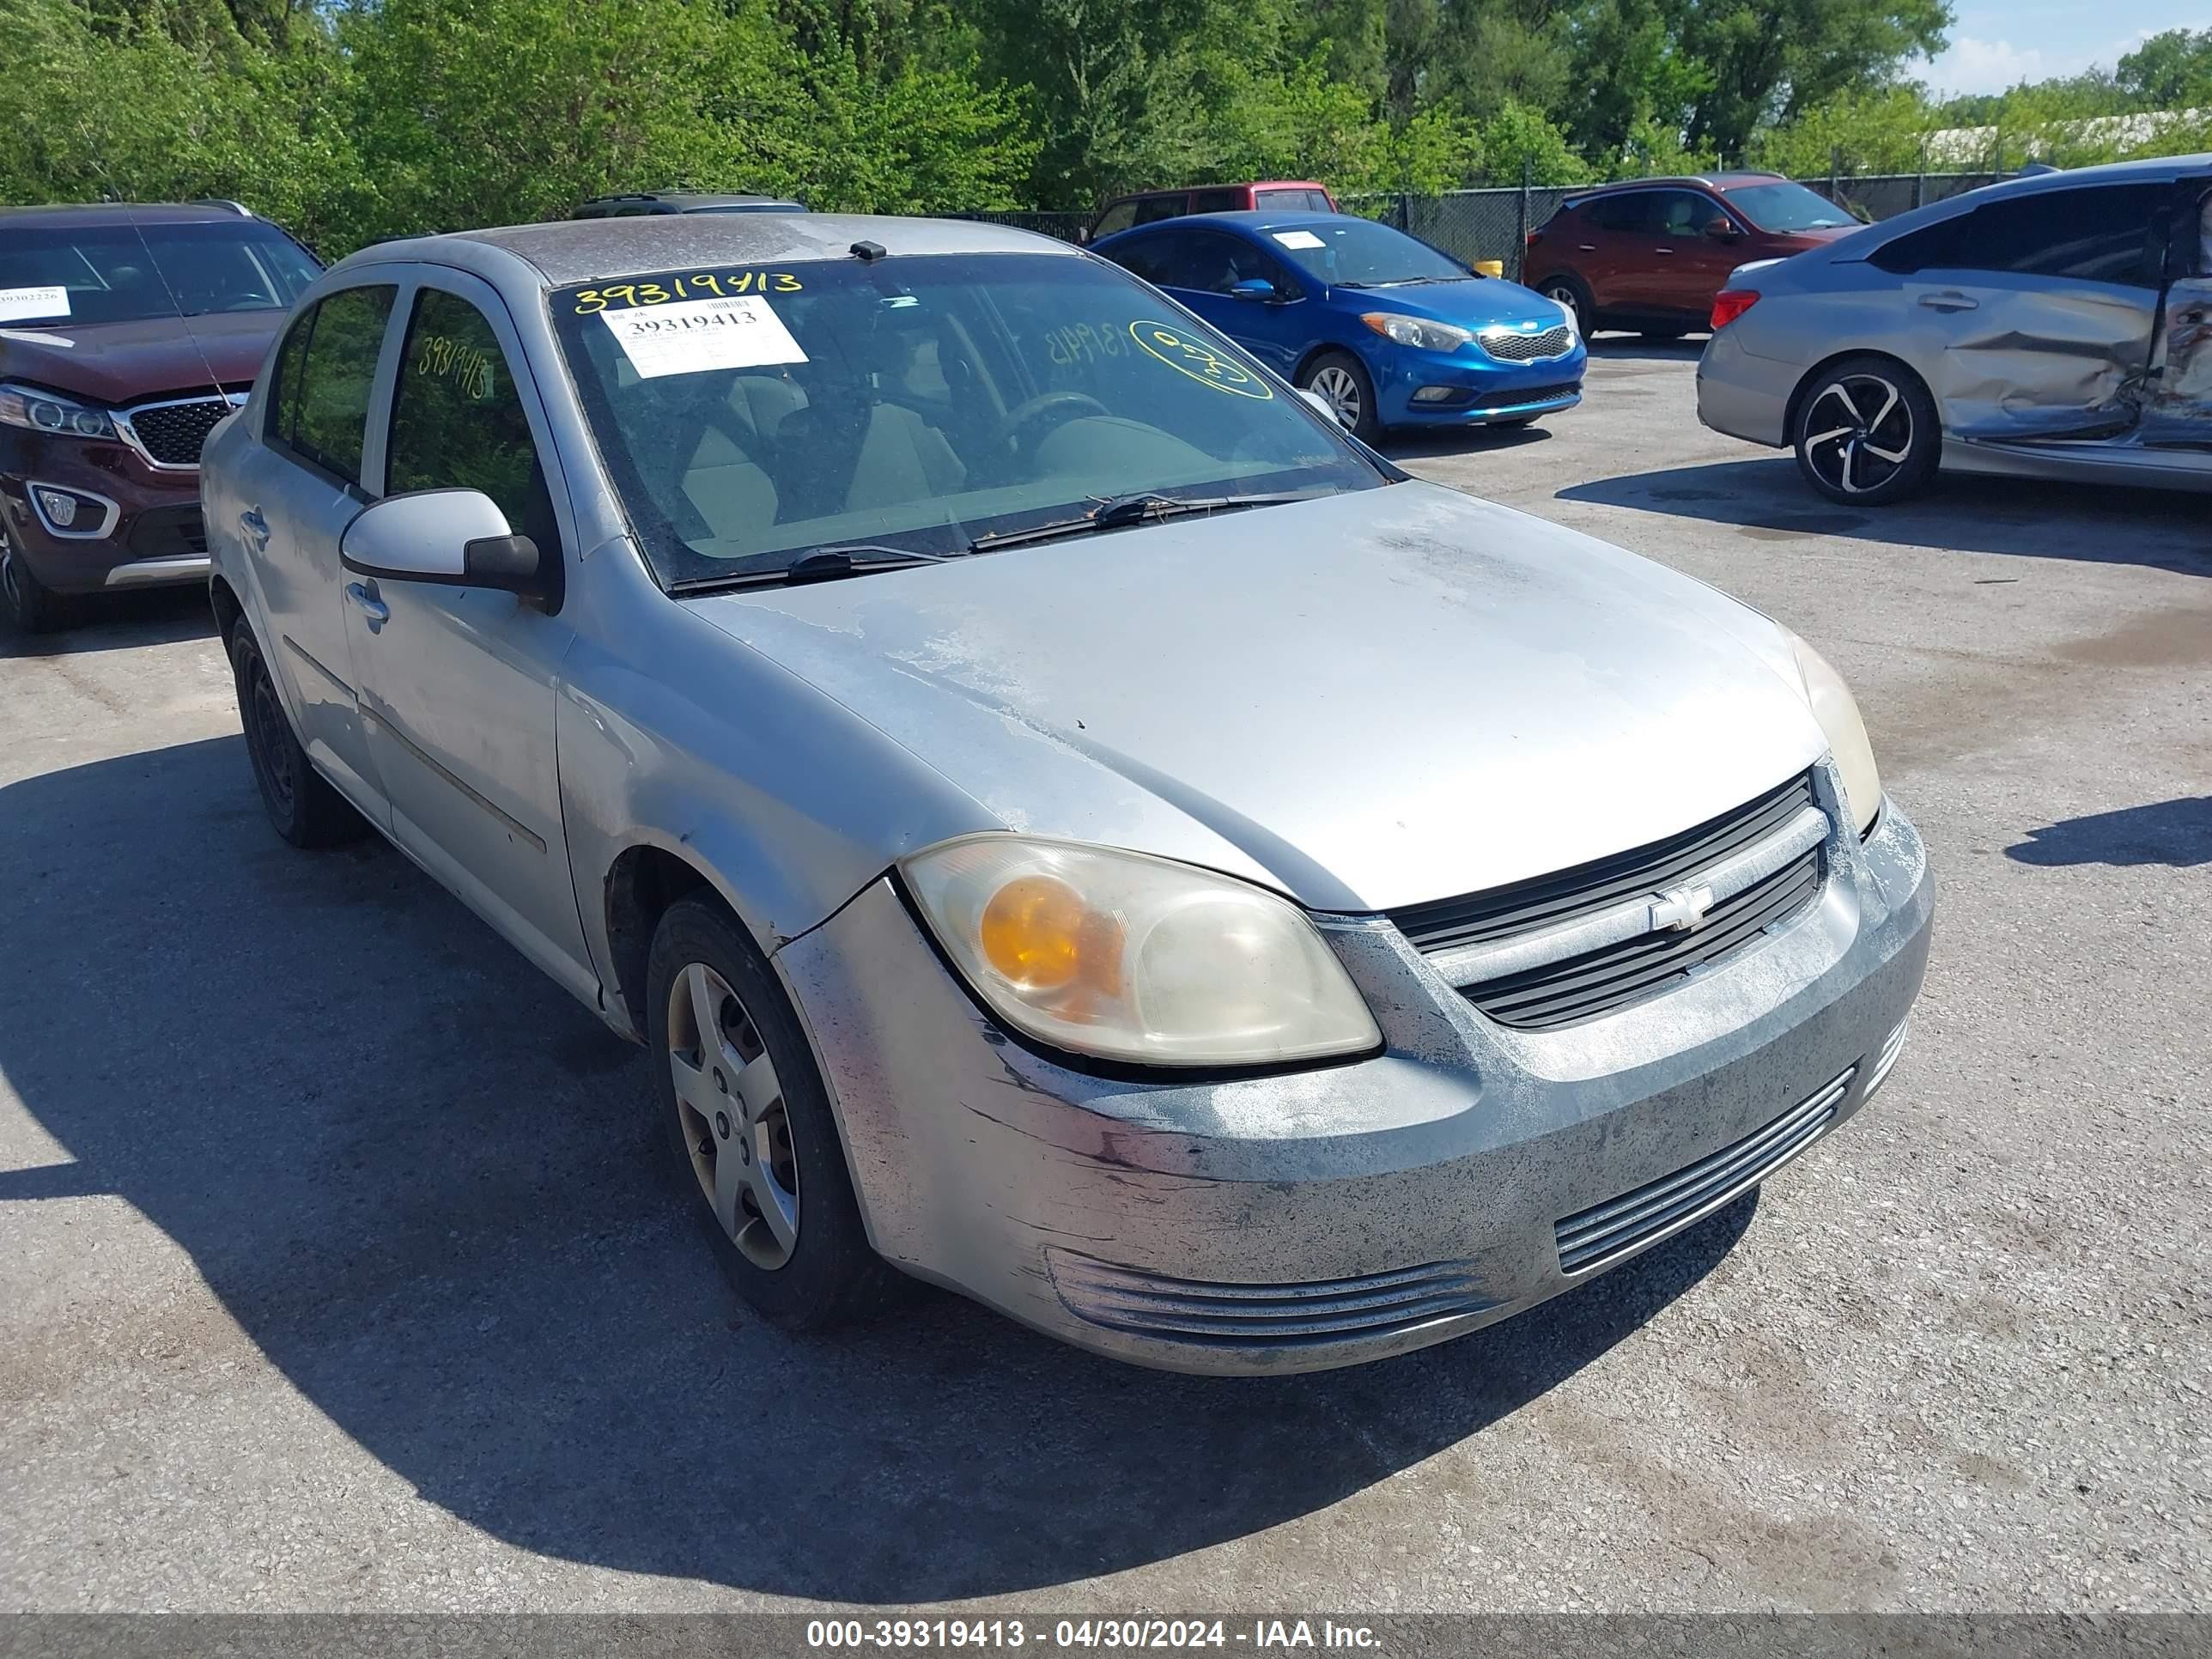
{"x":302,"y":806}
{"x":748,"y":1119}
{"x":1568,"y":292}
{"x":1341,"y":379}
{"x":1867,"y":432}
{"x":31,"y":606}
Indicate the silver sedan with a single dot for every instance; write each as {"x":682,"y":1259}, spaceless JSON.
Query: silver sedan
{"x":1071,"y":824}
{"x":2057,"y":326}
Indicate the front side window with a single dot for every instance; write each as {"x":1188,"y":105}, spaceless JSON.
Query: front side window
{"x":749,"y":417}
{"x":325,"y":375}
{"x":1151,"y":209}
{"x":129,"y":274}
{"x":1686,"y":212}
{"x":1120,"y":217}
{"x":1345,"y":251}
{"x":458,"y":421}
{"x":1785,"y":206}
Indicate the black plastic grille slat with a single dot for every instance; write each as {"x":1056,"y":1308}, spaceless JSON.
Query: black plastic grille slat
{"x":1537,"y":394}
{"x":174,"y":433}
{"x":1526,"y":347}
{"x":1585,"y":987}
{"x":1550,"y":901}
{"x":1604,"y":1232}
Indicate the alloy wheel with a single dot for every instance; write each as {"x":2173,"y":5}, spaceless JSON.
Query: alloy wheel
{"x":730,"y":1107}
{"x":1560,"y":295}
{"x":1858,"y":433}
{"x":1341,"y":388}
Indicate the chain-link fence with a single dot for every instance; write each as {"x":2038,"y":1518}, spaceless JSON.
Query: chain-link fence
{"x":1493,"y":221}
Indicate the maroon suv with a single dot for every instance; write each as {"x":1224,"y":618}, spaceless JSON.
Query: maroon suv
{"x":126,"y":332}
{"x":1651,"y":255}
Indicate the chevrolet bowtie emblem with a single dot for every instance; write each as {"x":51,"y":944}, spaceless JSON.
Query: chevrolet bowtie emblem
{"x":1680,"y":909}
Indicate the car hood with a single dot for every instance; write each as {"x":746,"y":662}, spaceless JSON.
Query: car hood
{"x":123,"y":362}
{"x":1477,"y":303}
{"x":1365,"y":701}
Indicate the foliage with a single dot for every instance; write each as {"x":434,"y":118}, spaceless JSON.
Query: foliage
{"x":351,"y":120}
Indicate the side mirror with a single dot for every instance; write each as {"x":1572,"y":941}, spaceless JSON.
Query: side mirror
{"x":1722,"y":229}
{"x":450,"y":537}
{"x":1254,"y":288}
{"x":1327,"y":410}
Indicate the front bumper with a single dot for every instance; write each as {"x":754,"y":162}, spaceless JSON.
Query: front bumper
{"x":1486,"y":390}
{"x":140,"y":528}
{"x":1322,"y":1217}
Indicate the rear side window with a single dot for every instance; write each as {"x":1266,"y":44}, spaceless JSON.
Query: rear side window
{"x":458,"y":421}
{"x":1631,"y":212}
{"x":1309,"y":201}
{"x":1217,"y":201}
{"x":319,"y":409}
{"x":1149,"y":258}
{"x":2101,"y":234}
{"x":1149,"y":207}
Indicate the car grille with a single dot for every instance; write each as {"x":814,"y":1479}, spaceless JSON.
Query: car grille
{"x":1511,"y":348}
{"x":173,"y":433}
{"x":1613,"y":976}
{"x":1538,"y":394}
{"x":1602,"y":1235}
{"x":1290,"y":1314}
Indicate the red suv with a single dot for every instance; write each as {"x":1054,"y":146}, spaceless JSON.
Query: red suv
{"x":1274,"y":195}
{"x":1651,"y":255}
{"x":126,"y":332}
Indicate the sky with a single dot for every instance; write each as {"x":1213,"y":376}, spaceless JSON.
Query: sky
{"x":1997,"y":46}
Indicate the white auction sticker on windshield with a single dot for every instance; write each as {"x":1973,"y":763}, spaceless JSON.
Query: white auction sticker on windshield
{"x":1299,"y":238}
{"x":691,"y":337}
{"x":21,"y":305}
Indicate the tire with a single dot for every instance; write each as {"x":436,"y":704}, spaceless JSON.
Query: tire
{"x":1866,"y":432}
{"x":1662,"y":336}
{"x":1569,"y":291}
{"x":33,"y":606}
{"x":302,"y":806}
{"x":1343,"y":379}
{"x":766,"y":1102}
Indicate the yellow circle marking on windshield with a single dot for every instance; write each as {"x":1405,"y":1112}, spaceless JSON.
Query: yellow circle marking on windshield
{"x":1196,"y":359}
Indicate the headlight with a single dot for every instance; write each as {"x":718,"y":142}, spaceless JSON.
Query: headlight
{"x":1838,"y":715}
{"x":1133,"y":958}
{"x":42,"y":411}
{"x":1417,"y":332}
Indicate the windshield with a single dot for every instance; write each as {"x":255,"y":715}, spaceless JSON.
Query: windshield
{"x":115,"y":273}
{"x":748,"y":416}
{"x":1785,"y":206}
{"x":1347,"y":253}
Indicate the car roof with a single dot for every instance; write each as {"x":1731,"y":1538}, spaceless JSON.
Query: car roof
{"x":98,"y":215}
{"x":1707,"y":180}
{"x":2149,"y":170}
{"x":1253,"y":220}
{"x":691,"y":201}
{"x":568,"y":251}
{"x":1233,"y":184}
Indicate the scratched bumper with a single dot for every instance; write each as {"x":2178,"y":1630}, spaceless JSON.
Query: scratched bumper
{"x":1327,"y":1217}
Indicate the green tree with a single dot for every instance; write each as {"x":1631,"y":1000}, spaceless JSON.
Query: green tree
{"x":2169,"y":71}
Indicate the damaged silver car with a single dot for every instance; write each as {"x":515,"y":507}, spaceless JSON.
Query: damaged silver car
{"x":1068,"y":823}
{"x":2056,"y":325}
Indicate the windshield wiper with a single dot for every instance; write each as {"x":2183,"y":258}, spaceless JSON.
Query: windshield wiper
{"x":824,"y":564}
{"x":1145,"y":506}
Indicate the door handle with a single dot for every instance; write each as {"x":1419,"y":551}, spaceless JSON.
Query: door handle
{"x":372,"y":607}
{"x":1950,"y":301}
{"x":256,"y":528}
{"x":1585,"y":247}
{"x":1662,"y":250}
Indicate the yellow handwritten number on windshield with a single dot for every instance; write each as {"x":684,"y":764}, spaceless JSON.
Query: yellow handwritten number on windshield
{"x":1179,"y":351}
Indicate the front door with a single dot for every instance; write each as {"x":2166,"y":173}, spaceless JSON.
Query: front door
{"x":297,"y":491}
{"x":458,"y":685}
{"x":2179,"y":412}
{"x":1203,"y":273}
{"x":1689,"y":265}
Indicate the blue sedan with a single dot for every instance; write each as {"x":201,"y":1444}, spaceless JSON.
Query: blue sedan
{"x":1388,"y":329}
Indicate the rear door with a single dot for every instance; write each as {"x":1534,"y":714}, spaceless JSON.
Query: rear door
{"x":1612,"y":250}
{"x":2033,"y":316}
{"x":2179,"y":412}
{"x":300,"y":486}
{"x":1203,"y":268}
{"x":457,"y":684}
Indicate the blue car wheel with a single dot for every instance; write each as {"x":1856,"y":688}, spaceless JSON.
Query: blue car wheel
{"x":1342,"y":379}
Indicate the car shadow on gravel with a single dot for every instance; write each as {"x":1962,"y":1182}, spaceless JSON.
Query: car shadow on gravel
{"x":2177,"y":834}
{"x":119,"y":621}
{"x":1764,"y":500}
{"x":422,"y":1181}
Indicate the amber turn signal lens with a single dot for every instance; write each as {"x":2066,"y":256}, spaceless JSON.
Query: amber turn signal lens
{"x":1032,"y":931}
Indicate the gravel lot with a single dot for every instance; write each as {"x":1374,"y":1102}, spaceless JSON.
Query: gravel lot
{"x":337,"y":1270}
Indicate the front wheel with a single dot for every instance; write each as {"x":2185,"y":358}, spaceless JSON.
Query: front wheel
{"x":1341,"y":379}
{"x":748,"y":1119}
{"x":1868,"y":433}
{"x":31,"y":606}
